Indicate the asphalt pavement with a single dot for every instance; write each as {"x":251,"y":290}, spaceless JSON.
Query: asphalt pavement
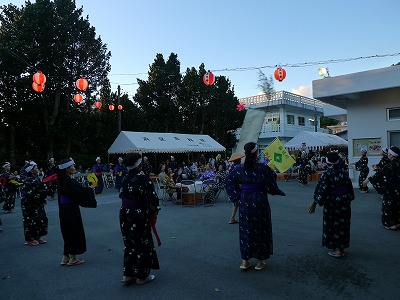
{"x":199,"y":256}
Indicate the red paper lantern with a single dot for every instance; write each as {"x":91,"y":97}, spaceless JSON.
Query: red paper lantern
{"x":111,"y":107}
{"x":240,"y":107}
{"x":78,"y":98}
{"x":98,"y":104}
{"x":209,"y":78}
{"x":37,"y":87}
{"x":280,"y":74}
{"x":120,"y":107}
{"x":39,"y":78}
{"x":82,"y":84}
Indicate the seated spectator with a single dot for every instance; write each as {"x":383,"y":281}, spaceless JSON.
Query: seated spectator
{"x":208,"y":175}
{"x":193,"y":169}
{"x":171,"y":187}
{"x":182,"y":167}
{"x":162,"y":174}
{"x":185,"y":175}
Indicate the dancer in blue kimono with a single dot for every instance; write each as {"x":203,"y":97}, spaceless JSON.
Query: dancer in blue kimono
{"x":98,"y":169}
{"x":249,"y":183}
{"x":334,"y":191}
{"x":120,"y":171}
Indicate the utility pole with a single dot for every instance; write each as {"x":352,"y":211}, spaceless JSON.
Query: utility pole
{"x":315,"y":118}
{"x":119,"y":111}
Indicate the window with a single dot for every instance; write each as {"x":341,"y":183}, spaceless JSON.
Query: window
{"x":290,"y":119}
{"x":393,"y":114}
{"x":301,"y":121}
{"x":394,"y":138}
{"x":272,"y":119}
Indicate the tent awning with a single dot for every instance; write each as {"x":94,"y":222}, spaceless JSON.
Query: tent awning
{"x":154,"y":142}
{"x":316,"y":140}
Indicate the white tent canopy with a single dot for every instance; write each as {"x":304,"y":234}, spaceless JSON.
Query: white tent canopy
{"x":315,"y":140}
{"x":155,"y":142}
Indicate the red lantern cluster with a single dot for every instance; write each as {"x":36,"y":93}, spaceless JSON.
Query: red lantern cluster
{"x":82,"y":84}
{"x":209,"y":78}
{"x":280,"y":74}
{"x":240,"y":107}
{"x":78,"y":98}
{"x":98,"y":104}
{"x":39,"y":79}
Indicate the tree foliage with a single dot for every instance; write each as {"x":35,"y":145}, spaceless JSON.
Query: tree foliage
{"x":184,"y":104}
{"x":54,"y":37}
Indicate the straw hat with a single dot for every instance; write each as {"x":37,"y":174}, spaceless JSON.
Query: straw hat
{"x":235,"y":156}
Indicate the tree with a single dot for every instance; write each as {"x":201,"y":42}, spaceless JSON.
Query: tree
{"x":157,"y":97}
{"x":266,"y":84}
{"x":52,"y":37}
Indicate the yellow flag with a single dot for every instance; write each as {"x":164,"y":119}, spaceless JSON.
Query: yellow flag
{"x":278,"y":156}
{"x":92,"y":178}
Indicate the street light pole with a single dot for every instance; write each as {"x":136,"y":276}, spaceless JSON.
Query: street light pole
{"x":119,"y":111}
{"x":315,"y":117}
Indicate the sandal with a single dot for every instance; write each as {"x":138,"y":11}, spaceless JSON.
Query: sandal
{"x":336,"y":254}
{"x":32,"y":243}
{"x":148,"y":279}
{"x":42,"y":242}
{"x":245,"y":267}
{"x":128,"y":282}
{"x":76,"y":262}
{"x":234,"y":222}
{"x":260,"y":267}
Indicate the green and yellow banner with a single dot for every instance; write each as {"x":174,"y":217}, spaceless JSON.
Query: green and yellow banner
{"x":278,"y":156}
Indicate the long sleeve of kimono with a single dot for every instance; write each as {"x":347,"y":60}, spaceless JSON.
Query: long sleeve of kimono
{"x":232,"y":186}
{"x":321,"y":190}
{"x":84,"y":196}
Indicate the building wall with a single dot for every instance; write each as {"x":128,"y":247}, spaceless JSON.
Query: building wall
{"x":367,"y":118}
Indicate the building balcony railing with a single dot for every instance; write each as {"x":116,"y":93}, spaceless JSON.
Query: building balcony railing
{"x":288,"y":130}
{"x":282,"y":98}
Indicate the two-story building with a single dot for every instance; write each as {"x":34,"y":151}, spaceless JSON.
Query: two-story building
{"x":371,"y":99}
{"x":287,"y":114}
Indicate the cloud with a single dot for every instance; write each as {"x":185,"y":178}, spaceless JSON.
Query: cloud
{"x":303,"y":91}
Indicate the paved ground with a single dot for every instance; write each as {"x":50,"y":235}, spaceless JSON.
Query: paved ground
{"x":200,"y":255}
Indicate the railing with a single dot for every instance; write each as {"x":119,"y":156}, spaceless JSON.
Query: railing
{"x":288,"y":130}
{"x":282,"y":97}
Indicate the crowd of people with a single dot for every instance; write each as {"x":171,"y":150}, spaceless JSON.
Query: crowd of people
{"x":247,"y":182}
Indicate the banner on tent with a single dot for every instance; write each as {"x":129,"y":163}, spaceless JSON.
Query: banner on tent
{"x":278,"y":156}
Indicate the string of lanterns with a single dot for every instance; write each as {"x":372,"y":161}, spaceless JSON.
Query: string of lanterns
{"x":39,"y":79}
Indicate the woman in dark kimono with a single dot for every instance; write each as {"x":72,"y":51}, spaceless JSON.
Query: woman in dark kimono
{"x":388,"y":181}
{"x":362,"y":166}
{"x":10,"y":189}
{"x":33,"y":199}
{"x":334,"y":191}
{"x":71,"y":195}
{"x":138,"y":211}
{"x":303,"y":167}
{"x":120,"y":171}
{"x":249,"y":183}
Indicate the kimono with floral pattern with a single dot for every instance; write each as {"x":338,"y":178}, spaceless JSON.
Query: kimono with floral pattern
{"x":362,"y":166}
{"x":34,"y":193}
{"x":388,"y":181}
{"x":139,"y":204}
{"x":334,"y":191}
{"x":255,"y":226}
